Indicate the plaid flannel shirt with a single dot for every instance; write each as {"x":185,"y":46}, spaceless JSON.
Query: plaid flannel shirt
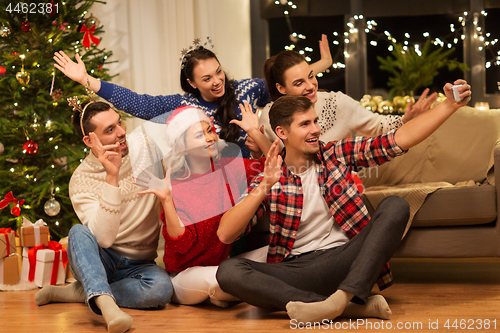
{"x":336,"y":160}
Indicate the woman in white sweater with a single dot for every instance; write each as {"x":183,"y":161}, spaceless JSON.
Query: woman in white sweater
{"x":288,"y":73}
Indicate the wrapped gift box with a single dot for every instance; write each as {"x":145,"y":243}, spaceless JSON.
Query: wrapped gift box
{"x":9,"y":271}
{"x":7,"y":242}
{"x":34,"y":234}
{"x":45,"y":273}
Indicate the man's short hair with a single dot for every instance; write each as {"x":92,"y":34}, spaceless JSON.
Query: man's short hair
{"x":282,"y":111}
{"x":91,"y":110}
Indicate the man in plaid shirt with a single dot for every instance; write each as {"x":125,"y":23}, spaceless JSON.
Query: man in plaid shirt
{"x":325,"y":250}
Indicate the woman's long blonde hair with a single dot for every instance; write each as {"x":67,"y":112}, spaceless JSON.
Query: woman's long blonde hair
{"x":176,"y":159}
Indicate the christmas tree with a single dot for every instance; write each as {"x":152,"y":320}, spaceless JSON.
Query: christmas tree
{"x":38,"y":149}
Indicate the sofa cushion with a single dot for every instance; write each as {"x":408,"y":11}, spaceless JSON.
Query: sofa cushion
{"x":458,"y":205}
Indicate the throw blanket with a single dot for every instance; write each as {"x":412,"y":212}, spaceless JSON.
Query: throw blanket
{"x":414,"y":194}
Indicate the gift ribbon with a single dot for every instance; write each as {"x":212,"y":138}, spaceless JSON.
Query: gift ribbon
{"x":57,"y":248}
{"x":36,"y":227}
{"x":8,"y":198}
{"x":6,"y":231}
{"x":89,"y":37}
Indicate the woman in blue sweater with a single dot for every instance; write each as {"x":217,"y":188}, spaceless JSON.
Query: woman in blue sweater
{"x":206,"y":87}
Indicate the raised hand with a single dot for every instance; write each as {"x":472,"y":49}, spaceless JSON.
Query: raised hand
{"x":155,"y":185}
{"x":324,"y":50}
{"x":423,"y":104}
{"x":249,"y":120}
{"x":110,"y":156}
{"x":74,"y":70}
{"x":465,"y":93}
{"x":272,"y":169}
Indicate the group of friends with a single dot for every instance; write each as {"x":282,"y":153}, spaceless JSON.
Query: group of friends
{"x":226,"y":169}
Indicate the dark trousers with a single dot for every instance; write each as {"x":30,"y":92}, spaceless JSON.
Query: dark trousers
{"x":311,"y":277}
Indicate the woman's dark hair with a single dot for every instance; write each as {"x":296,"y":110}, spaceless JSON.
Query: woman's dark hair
{"x":225,"y":110}
{"x":275,"y":67}
{"x":91,"y":110}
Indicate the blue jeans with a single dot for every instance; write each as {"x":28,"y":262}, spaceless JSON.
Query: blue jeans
{"x":133,"y":284}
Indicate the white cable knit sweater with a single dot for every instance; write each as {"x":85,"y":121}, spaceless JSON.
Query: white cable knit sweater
{"x":105,"y":208}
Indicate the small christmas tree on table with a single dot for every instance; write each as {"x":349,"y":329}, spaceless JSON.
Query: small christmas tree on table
{"x":38,"y":149}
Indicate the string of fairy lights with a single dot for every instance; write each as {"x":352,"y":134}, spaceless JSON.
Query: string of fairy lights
{"x":456,"y":35}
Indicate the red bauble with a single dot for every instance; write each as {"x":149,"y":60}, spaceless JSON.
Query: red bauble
{"x":30,"y":147}
{"x":2,"y":70}
{"x":25,"y":26}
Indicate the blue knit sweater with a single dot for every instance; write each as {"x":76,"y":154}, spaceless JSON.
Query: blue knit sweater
{"x":158,"y":108}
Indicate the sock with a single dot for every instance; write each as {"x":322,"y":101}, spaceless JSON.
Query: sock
{"x":330,"y":308}
{"x":71,"y":293}
{"x":117,"y":320}
{"x":375,"y":307}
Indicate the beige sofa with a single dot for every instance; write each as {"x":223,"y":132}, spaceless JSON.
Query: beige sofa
{"x":459,"y":218}
{"x":454,"y":169}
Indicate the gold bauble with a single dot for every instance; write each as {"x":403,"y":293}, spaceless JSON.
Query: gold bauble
{"x":23,"y":77}
{"x":385,"y":107}
{"x":441,"y":97}
{"x":370,"y":106}
{"x":377,"y":99}
{"x":91,"y":21}
{"x":399,"y":103}
{"x":408,"y":99}
{"x":364,"y":99}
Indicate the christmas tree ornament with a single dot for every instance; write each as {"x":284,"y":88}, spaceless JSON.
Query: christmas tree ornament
{"x":25,"y":26}
{"x":369,"y":105}
{"x":62,"y":26}
{"x":399,"y":103}
{"x":30,"y":147}
{"x":385,"y":107}
{"x":52,"y":206}
{"x":23,"y":77}
{"x":91,"y":21}
{"x":57,"y":94}
{"x":2,"y":70}
{"x":88,"y":36}
{"x":4,"y":31}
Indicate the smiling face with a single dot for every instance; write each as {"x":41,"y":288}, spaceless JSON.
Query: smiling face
{"x":301,"y":137}
{"x":110,"y":129}
{"x":299,"y":81}
{"x":201,"y":143}
{"x":209,"y":78}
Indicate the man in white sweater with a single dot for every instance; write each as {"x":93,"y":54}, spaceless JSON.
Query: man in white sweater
{"x":112,"y":252}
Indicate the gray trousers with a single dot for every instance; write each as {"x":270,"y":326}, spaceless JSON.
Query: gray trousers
{"x":311,"y":277}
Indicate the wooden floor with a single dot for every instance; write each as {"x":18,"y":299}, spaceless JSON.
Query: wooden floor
{"x":427,"y":294}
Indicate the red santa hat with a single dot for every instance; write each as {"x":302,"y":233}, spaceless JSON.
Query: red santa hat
{"x":183,"y":118}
